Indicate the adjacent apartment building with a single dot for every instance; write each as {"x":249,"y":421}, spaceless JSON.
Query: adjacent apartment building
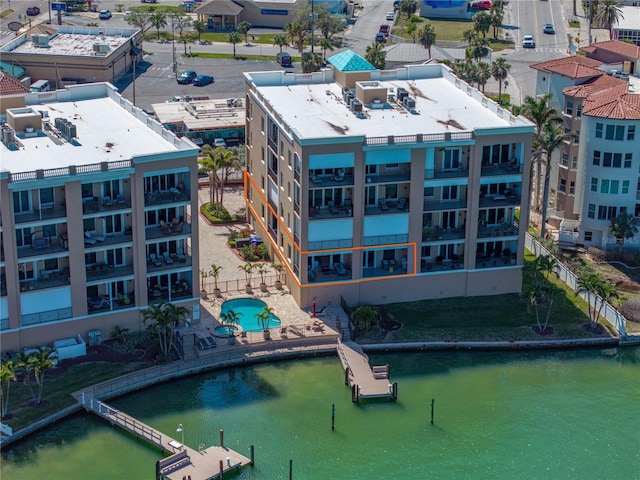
{"x":96,"y":201}
{"x":595,"y":175}
{"x":386,"y":186}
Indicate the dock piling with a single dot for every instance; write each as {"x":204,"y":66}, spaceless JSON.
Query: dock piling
{"x":221,"y":437}
{"x":290,"y":469}
{"x":251,"y":449}
{"x":433,"y":400}
{"x":221,"y":470}
{"x":333,"y":416}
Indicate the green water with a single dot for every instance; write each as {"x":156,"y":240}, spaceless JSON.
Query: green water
{"x":499,"y":416}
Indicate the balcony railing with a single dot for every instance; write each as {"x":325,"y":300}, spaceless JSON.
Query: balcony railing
{"x":106,"y":205}
{"x":437,"y":234}
{"x":499,"y":169}
{"x":446,"y":173}
{"x":169,"y":196}
{"x":499,"y":200}
{"x":324,"y":181}
{"x":325,"y":213}
{"x":101,"y":271}
{"x":44,"y":212}
{"x":492,"y":231}
{"x":154,"y":232}
{"x":396,"y":177}
{"x":53,"y":281}
{"x":432,"y":205}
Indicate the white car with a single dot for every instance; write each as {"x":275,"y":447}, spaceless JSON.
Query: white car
{"x":219,"y":142}
{"x":391,"y":15}
{"x":528,"y":42}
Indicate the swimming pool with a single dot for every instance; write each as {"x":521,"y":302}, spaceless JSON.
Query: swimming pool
{"x":248,"y":308}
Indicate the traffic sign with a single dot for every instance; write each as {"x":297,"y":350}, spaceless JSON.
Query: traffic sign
{"x":58,"y":7}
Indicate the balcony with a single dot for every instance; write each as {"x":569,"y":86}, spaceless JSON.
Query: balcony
{"x":326,"y":213}
{"x":388,"y":207}
{"x":489,"y":201}
{"x":45,"y":246}
{"x":438,"y":234}
{"x":493,"y":231}
{"x":495,"y":261}
{"x":432,"y":205}
{"x":100,"y":271}
{"x":105,"y":304}
{"x":58,"y":278}
{"x":441,"y":265}
{"x":164,"y":293}
{"x":160,"y":264}
{"x":154,"y":232}
{"x":47,"y":211}
{"x":328,"y":274}
{"x":169,"y":196}
{"x":110,"y":239}
{"x":107,"y":205}
{"x":446,"y":173}
{"x":395,"y":177}
{"x":330,"y":181}
{"x":499,"y":169}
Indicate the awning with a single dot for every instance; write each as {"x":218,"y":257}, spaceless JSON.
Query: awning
{"x":13,"y":70}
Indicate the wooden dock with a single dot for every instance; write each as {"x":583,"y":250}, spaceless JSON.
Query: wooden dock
{"x":184,"y":462}
{"x":365,"y":381}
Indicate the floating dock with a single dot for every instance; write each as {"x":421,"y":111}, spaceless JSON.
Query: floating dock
{"x":365,"y":381}
{"x":184,"y":462}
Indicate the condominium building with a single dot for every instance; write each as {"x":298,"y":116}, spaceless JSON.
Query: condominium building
{"x":96,"y":201}
{"x":386,"y":186}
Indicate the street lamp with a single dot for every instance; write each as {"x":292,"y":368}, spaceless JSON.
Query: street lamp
{"x":180,"y":430}
{"x":173,"y":47}
{"x":313,"y":18}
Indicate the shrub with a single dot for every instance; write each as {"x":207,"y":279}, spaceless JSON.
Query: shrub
{"x":630,"y":308}
{"x":248,"y":253}
{"x":263,"y":251}
{"x":597,"y":255}
{"x":215,"y":213}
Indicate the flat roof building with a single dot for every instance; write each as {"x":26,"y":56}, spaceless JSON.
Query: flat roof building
{"x":95,"y":216}
{"x":386,"y":186}
{"x":67,"y":55}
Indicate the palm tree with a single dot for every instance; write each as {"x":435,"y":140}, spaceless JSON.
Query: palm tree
{"x":230,"y":318}
{"x":478,"y":49}
{"x":326,"y":44}
{"x":376,"y":56}
{"x":280,"y":41}
{"x":264,"y":316}
{"x":607,"y":294}
{"x":234,"y":38}
{"x":158,"y":20}
{"x":364,"y":317}
{"x":39,"y":362}
{"x":427,"y":37}
{"x":547,"y":142}
{"x":497,"y":16}
{"x":210,"y":162}
{"x":200,"y":27}
{"x":23,"y":370}
{"x":538,"y":296}
{"x":589,"y":284}
{"x":482,"y":23}
{"x":469,"y":36}
{"x":243,"y":29}
{"x":228,"y":162}
{"x":483,"y":74}
{"x":215,"y":273}
{"x":547,"y":265}
{"x":540,"y":111}
{"x":311,"y":62}
{"x":500,"y":70}
{"x":297,"y":33}
{"x":262,"y":270}
{"x":248,"y":269}
{"x":7,"y":375}
{"x":164,"y":318}
{"x":609,"y":14}
{"x":622,"y":227}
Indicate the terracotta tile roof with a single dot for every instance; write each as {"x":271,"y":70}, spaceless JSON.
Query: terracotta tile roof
{"x":11,"y":86}
{"x":595,"y":85}
{"x":623,"y":49}
{"x":573,"y":67}
{"x":613,"y":102}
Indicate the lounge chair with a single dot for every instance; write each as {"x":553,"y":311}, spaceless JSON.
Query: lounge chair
{"x":156,"y":262}
{"x":91,"y":236}
{"x":107,"y":201}
{"x":177,"y":228}
{"x":164,"y":227}
{"x":332,"y":207}
{"x":181,"y":256}
{"x":340,"y":268}
{"x":383,"y":204}
{"x":121,"y":200}
{"x":167,"y":258}
{"x":95,"y":304}
{"x":403,"y":203}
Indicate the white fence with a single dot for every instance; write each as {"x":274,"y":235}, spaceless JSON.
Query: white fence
{"x":613,"y":316}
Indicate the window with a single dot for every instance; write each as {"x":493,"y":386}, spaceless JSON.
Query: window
{"x":563,"y":186}
{"x":390,"y":166}
{"x":46,"y":195}
{"x":591,"y":212}
{"x":594,"y":184}
{"x":574,"y":162}
{"x":598,"y":130}
{"x":625,"y":187}
{"x":617,"y":160}
{"x":607,"y":159}
{"x":588,"y":236}
{"x":572,"y":188}
{"x":89,"y":224}
{"x":596,"y":157}
{"x":111,"y":189}
{"x":627,"y":160}
{"x":450,"y":192}
{"x":579,"y":111}
{"x":610,"y":132}
{"x":615,"y":186}
{"x":565,"y":160}
{"x":569,"y":108}
{"x":451,"y":159}
{"x":604,"y":186}
{"x":87,"y":190}
{"x":602,"y":212}
{"x":262,"y":124}
{"x":631,"y":132}
{"x":428,"y":192}
{"x":619,"y":132}
{"x":21,"y":201}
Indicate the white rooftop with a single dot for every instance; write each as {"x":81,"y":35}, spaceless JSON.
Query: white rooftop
{"x":317,"y":110}
{"x":630,"y":19}
{"x":109,"y":129}
{"x":202,"y":114}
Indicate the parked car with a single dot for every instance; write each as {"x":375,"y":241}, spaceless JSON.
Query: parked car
{"x":186,"y":77}
{"x":219,"y":142}
{"x":385,"y":29}
{"x":481,"y":5}
{"x":189,"y":5}
{"x":128,"y":13}
{"x":32,"y":11}
{"x":391,"y":16}
{"x":548,"y":28}
{"x":528,"y":42}
{"x":396,"y":4}
{"x":284,"y":59}
{"x":380,"y":37}
{"x":202,"y":80}
{"x":105,"y":14}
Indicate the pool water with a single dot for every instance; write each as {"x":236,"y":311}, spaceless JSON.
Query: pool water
{"x":248,"y":308}
{"x":224,"y":330}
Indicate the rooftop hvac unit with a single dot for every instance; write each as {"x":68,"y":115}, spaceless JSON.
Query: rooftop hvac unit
{"x":100,"y":48}
{"x":356,"y":105}
{"x":348,"y":96}
{"x":402,"y":93}
{"x":40,"y":40}
{"x":409,"y":102}
{"x":8,"y":136}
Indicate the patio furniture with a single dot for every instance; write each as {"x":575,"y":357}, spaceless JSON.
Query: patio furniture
{"x":96,"y":304}
{"x":383,"y":204}
{"x":120,"y":200}
{"x":332,"y":207}
{"x":177,"y":228}
{"x":181,"y":256}
{"x":403,"y":203}
{"x":40,"y":243}
{"x":107,"y":202}
{"x":167,"y":258}
{"x":90,"y":236}
{"x":156,"y":262}
{"x":340,"y":268}
{"x":164,"y":227}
